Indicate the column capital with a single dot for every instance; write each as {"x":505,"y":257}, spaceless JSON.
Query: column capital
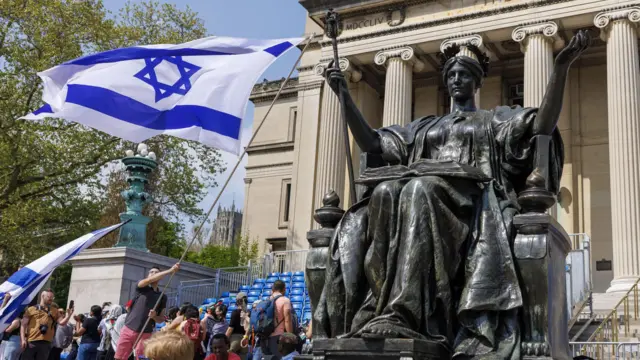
{"x":405,"y":53}
{"x":463,"y":41}
{"x":604,"y":18}
{"x":351,"y":72}
{"x":548,"y":29}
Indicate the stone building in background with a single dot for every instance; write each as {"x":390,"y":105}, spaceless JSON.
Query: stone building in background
{"x":389,"y":54}
{"x":226,"y":226}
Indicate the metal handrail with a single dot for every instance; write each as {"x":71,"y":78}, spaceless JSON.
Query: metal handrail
{"x":612,"y":318}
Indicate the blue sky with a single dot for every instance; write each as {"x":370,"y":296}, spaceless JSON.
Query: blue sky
{"x":261,"y":19}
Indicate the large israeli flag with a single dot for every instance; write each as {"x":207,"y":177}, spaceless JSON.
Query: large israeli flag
{"x":25,"y":284}
{"x":197,"y":90}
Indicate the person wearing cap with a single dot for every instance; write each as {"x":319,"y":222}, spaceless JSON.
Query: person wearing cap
{"x":237,"y":325}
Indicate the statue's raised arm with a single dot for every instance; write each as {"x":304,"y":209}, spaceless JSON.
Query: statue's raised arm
{"x":551,"y":105}
{"x":366,"y":137}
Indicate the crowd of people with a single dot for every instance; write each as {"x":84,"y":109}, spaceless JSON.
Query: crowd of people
{"x":144,"y":329}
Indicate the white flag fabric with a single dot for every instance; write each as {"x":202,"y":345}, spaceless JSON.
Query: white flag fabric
{"x":197,"y":90}
{"x":25,"y":284}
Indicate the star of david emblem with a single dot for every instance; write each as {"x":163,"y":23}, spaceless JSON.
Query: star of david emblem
{"x":180,"y":87}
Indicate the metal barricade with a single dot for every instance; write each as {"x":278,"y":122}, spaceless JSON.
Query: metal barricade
{"x":287,"y":261}
{"x":578,"y":275}
{"x":195,"y":291}
{"x":606,"y":350}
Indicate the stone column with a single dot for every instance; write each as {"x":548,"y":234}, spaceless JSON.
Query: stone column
{"x":537,"y":42}
{"x":400,"y":63}
{"x":332,"y":158}
{"x":619,"y":30}
{"x":464,"y":42}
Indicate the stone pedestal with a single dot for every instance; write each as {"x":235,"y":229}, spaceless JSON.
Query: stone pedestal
{"x":134,"y":233}
{"x":112,"y":274}
{"x":384,"y":349}
{"x":540,"y":249}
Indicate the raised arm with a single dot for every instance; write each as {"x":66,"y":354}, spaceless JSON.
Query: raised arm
{"x":368,"y":139}
{"x":551,"y":105}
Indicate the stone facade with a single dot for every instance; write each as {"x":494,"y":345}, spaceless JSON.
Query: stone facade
{"x":226,"y":226}
{"x":392,"y":48}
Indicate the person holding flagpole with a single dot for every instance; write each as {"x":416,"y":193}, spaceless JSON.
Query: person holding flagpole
{"x":147,"y":296}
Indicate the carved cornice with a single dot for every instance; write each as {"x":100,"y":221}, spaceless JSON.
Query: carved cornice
{"x":548,"y":29}
{"x":405,"y":53}
{"x":351,"y":72}
{"x":437,"y":22}
{"x":267,"y":90}
{"x":248,"y":180}
{"x":604,"y":18}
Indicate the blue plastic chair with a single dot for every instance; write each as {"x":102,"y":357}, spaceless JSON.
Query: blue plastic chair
{"x":306,"y":316}
{"x":257,"y":286}
{"x":298,"y":273}
{"x":209,"y":301}
{"x":307,"y":307}
{"x":232,"y":307}
{"x":297,"y":298}
{"x":225,"y":301}
{"x":274,"y":274}
{"x":269,"y":284}
{"x":252,"y":299}
{"x":297,"y":291}
{"x":297,"y":305}
{"x":272,"y":279}
{"x":298,"y":279}
{"x":225,"y":294}
{"x":244,"y":287}
{"x":254,"y":293}
{"x":259,"y":281}
{"x":297,"y":285}
{"x":267,"y":292}
{"x":286,"y":274}
{"x":265,"y":297}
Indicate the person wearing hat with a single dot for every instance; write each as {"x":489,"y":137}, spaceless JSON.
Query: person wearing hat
{"x":237,"y":325}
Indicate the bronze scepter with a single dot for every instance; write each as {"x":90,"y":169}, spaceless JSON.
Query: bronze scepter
{"x":331,"y":31}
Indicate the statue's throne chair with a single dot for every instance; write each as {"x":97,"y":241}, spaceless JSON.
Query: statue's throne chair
{"x":539,"y":249}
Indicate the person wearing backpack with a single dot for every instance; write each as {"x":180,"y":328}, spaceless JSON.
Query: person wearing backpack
{"x":194,"y":331}
{"x":282,"y":320}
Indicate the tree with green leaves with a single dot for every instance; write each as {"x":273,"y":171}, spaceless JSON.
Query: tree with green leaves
{"x":56,"y":177}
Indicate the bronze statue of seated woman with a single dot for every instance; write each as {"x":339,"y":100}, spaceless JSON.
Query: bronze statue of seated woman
{"x":426,"y":254}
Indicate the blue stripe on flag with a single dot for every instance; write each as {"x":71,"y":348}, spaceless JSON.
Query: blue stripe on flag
{"x":22,"y":300}
{"x":46,"y":108}
{"x":278,"y":49}
{"x":133,"y":53}
{"x":23,"y":277}
{"x":134,"y":112}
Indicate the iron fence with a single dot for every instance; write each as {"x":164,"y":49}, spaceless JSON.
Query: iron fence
{"x":606,"y":350}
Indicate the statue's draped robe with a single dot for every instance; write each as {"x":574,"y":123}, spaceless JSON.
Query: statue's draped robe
{"x":429,"y":257}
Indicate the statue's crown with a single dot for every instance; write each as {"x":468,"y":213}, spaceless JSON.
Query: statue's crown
{"x":454,"y":50}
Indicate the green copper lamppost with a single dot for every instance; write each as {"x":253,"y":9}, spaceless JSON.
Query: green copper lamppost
{"x":139,"y":167}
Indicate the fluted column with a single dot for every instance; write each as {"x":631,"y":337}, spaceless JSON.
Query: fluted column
{"x":463,"y":43}
{"x":400,"y":63}
{"x":619,"y":30}
{"x":332,"y":158}
{"x":537,"y":42}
